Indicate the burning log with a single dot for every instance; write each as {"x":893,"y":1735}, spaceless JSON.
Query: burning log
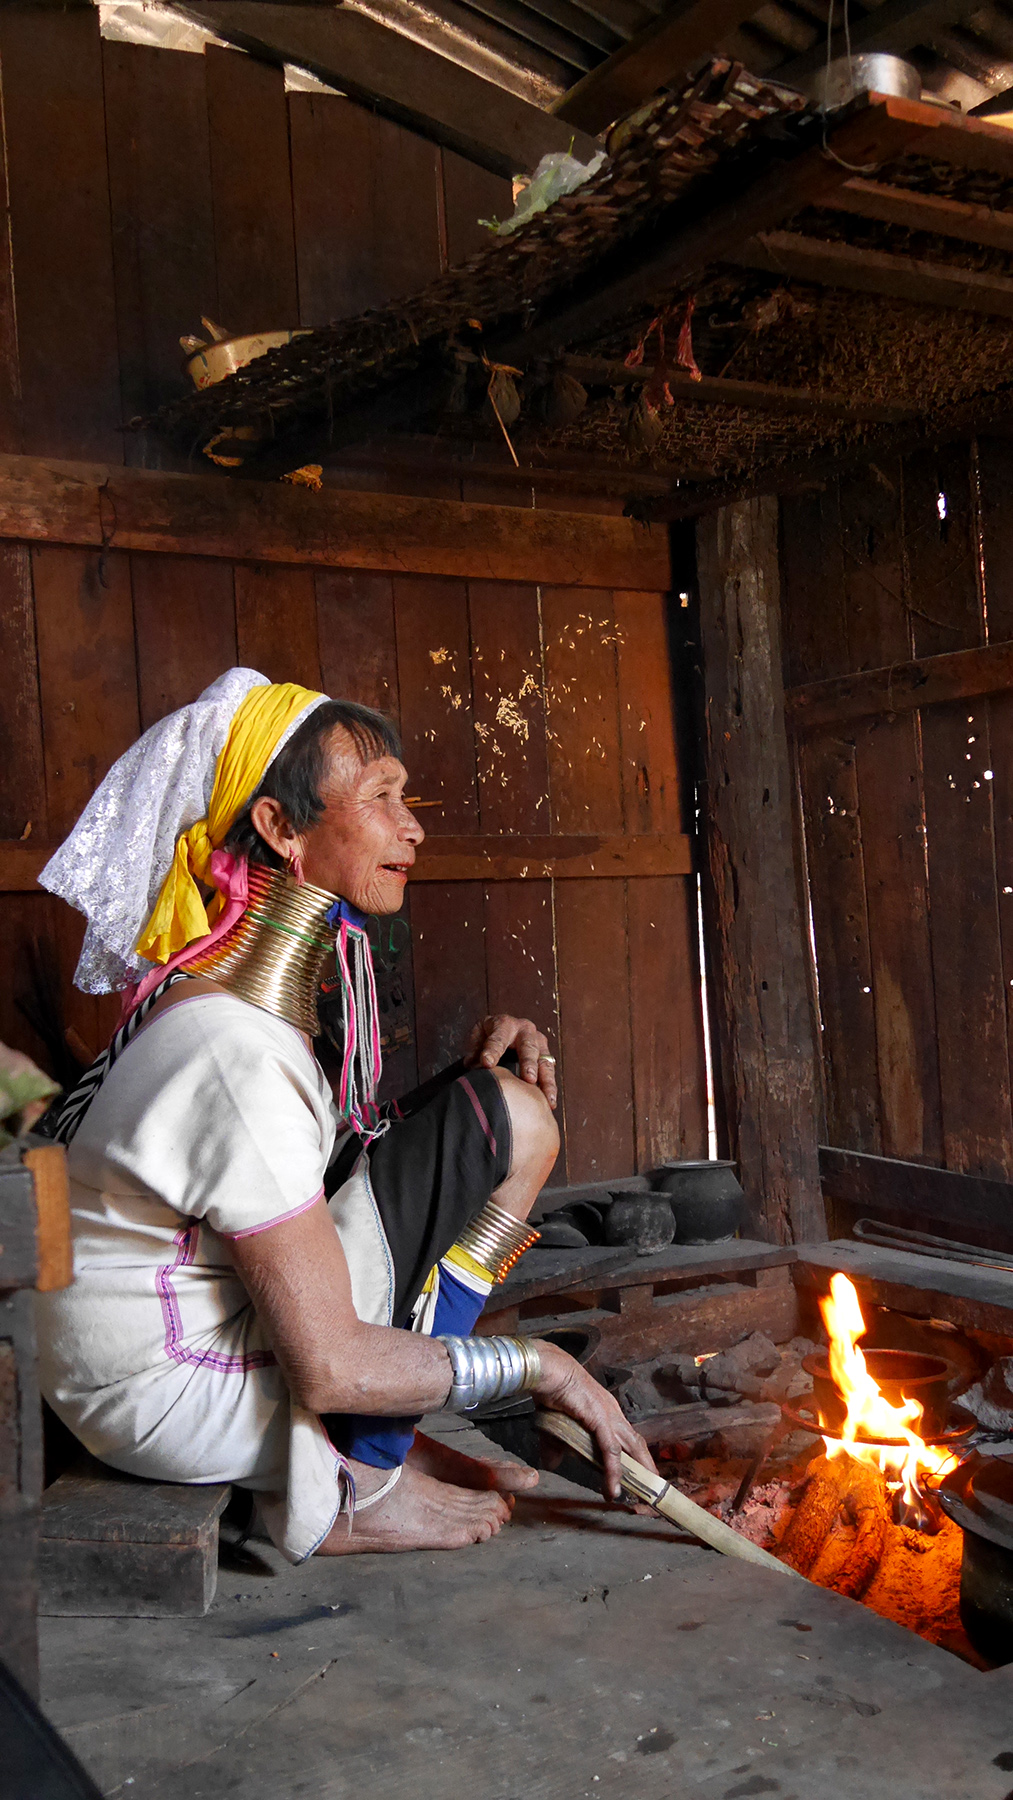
{"x":845,"y":1560}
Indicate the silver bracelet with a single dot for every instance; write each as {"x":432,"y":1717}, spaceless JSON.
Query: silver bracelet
{"x":489,"y":1368}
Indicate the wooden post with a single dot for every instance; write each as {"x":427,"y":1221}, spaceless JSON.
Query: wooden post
{"x":764,"y":1018}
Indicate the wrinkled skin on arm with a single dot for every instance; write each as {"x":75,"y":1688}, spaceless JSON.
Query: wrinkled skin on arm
{"x":297,"y":1278}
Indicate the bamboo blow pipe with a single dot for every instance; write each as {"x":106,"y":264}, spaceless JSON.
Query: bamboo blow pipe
{"x":640,"y":1484}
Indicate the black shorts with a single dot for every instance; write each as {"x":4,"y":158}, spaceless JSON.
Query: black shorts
{"x":444,"y":1153}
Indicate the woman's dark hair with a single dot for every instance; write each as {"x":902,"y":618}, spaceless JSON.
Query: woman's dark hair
{"x":295,"y":775}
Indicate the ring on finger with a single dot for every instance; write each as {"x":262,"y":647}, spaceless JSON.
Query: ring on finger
{"x":547,"y":1059}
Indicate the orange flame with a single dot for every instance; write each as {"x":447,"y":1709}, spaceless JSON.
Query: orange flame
{"x":871,"y":1418}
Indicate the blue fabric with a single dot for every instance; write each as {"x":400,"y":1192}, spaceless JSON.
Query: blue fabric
{"x":385,"y":1443}
{"x":343,"y":909}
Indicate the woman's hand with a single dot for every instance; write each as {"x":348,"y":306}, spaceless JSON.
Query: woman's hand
{"x":500,"y":1032}
{"x":566,"y":1387}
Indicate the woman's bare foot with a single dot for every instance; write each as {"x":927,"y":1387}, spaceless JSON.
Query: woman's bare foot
{"x":434,"y":1457}
{"x":420,"y":1513}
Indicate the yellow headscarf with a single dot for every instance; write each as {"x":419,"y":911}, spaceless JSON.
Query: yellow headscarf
{"x":179,"y":914}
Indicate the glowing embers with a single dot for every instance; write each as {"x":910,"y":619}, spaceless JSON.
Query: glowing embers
{"x":876,"y":1430}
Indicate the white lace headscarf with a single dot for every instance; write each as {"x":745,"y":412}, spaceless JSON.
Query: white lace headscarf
{"x":112,"y":865}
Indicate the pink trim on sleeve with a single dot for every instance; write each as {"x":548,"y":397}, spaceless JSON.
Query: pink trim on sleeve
{"x":255,"y":1230}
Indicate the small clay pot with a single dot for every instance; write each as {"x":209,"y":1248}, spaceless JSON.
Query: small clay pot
{"x":643,"y":1221}
{"x":706,"y":1200}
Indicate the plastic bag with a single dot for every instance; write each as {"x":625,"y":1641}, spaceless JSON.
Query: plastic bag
{"x":557,"y":174}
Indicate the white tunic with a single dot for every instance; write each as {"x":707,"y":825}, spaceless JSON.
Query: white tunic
{"x":215,"y":1123}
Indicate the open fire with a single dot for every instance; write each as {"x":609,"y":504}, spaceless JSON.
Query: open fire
{"x":875,"y":1431}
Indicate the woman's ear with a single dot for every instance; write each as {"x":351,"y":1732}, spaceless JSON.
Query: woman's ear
{"x":270,"y":819}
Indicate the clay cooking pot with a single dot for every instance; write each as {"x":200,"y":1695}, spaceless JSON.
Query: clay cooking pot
{"x":901,"y":1375}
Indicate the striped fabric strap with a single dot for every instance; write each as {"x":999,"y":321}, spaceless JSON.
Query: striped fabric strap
{"x":79,"y":1099}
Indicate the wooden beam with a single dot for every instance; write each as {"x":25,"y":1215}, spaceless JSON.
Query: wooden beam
{"x":957,"y":675}
{"x":499,"y":858}
{"x":711,"y":223}
{"x":829,"y":264}
{"x":767,"y":1055}
{"x":751,"y":396}
{"x":398,"y":77}
{"x":970,"y":1207}
{"x":661,"y":52}
{"x":504,"y":858}
{"x":924,"y":212}
{"x":21,"y":865}
{"x":102,"y":506}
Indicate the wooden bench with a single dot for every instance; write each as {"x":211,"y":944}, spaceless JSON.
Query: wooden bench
{"x":114,"y":1546}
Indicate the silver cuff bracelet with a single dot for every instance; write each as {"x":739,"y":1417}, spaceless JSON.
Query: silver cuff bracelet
{"x":489,"y":1368}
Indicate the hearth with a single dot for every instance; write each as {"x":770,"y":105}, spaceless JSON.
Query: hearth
{"x":834,"y":1456}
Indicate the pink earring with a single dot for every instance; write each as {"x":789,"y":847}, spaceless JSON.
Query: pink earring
{"x":296,"y":870}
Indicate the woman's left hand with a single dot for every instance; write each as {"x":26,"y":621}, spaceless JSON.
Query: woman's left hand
{"x":501,"y":1032}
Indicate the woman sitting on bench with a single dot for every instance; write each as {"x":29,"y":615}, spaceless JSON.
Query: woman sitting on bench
{"x":272,"y":1283}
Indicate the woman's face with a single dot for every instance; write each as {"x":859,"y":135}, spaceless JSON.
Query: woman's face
{"x":364,"y":844}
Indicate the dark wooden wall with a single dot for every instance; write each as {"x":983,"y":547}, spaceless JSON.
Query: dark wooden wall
{"x":908,"y":808}
{"x":147,"y":188}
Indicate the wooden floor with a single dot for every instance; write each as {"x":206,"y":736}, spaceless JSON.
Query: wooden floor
{"x":580,"y":1656}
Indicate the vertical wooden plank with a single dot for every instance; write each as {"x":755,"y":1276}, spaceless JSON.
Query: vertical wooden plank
{"x":162,"y":226}
{"x":185,"y":619}
{"x":970,"y":999}
{"x":247,"y":112}
{"x":358,"y":652}
{"x":768,"y":1059}
{"x":448,"y":950}
{"x":60,"y":232}
{"x":434,"y":680}
{"x":887,"y":788}
{"x":995,"y":471}
{"x":652,"y":800}
{"x":585,"y":786}
{"x":893,"y":849}
{"x":582,"y":709}
{"x":367,"y":204}
{"x":594,"y":1016}
{"x":358,"y":661}
{"x":87,"y":671}
{"x":1000,"y":712}
{"x":10,"y":374}
{"x":513,"y":797}
{"x":967,"y":957}
{"x":22,"y":779}
{"x":276,"y":622}
{"x":448,"y":924}
{"x":88,"y":686}
{"x":509,"y":707}
{"x":941,"y":539}
{"x":669,"y":1074}
{"x":874,"y":599}
{"x":812,"y":588}
{"x":834,"y":843}
{"x":471,"y":194}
